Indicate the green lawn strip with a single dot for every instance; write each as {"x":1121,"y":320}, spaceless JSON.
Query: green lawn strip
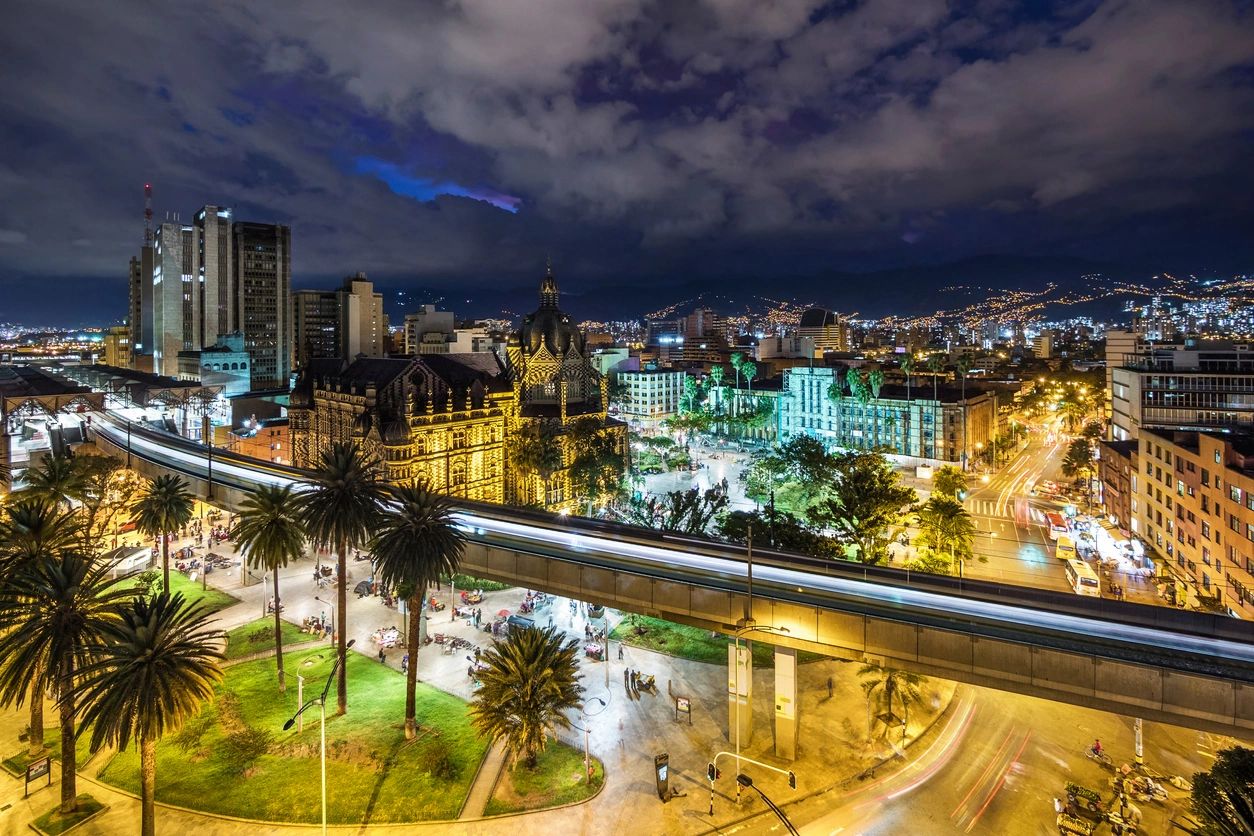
{"x":556,"y":780}
{"x":53,"y":823}
{"x":693,"y":643}
{"x":214,"y":598}
{"x":256,"y":636}
{"x":52,"y":743}
{"x":371,"y":773}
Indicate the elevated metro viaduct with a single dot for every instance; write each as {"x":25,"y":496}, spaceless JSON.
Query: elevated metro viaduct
{"x":1184,"y":668}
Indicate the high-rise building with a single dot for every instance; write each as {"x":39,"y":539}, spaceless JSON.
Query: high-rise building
{"x":139,"y":314}
{"x":427,"y":321}
{"x":261,"y":299}
{"x":175,"y":296}
{"x":117,"y":347}
{"x":363,"y":326}
{"x":828,"y":331}
{"x":215,"y":275}
{"x":340,"y":323}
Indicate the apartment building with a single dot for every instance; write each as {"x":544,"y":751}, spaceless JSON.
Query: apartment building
{"x":1192,"y":504}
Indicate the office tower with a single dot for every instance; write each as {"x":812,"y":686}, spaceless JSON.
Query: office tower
{"x":315,"y":326}
{"x":214,"y":268}
{"x":428,"y":325}
{"x":260,"y":303}
{"x":340,"y":323}
{"x":175,"y":295}
{"x":363,"y":327}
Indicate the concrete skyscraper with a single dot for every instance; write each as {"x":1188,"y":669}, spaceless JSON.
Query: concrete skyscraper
{"x":175,"y":296}
{"x":339,"y":323}
{"x":261,"y":297}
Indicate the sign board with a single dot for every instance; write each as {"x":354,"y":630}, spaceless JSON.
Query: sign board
{"x":38,"y":769}
{"x":661,"y":772}
{"x":683,"y":705}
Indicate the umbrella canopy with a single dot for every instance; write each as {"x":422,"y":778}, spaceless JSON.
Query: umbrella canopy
{"x":503,"y":613}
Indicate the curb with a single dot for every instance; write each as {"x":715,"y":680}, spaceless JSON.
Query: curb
{"x":843,"y":781}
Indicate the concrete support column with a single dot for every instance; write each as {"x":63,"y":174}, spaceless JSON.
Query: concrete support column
{"x":740,"y":694}
{"x":786,"y":720}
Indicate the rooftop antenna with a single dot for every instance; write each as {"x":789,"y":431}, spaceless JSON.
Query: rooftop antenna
{"x":148,"y":214}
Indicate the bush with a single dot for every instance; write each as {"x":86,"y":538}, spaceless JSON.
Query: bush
{"x":438,"y":761}
{"x":189,"y":737}
{"x":242,"y":747}
{"x":148,"y":583}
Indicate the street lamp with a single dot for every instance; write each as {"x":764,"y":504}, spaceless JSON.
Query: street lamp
{"x":744,"y":781}
{"x":321,"y":700}
{"x":587,"y":757}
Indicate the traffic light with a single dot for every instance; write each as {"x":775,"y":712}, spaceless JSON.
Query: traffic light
{"x":792,"y":780}
{"x":713,"y":772}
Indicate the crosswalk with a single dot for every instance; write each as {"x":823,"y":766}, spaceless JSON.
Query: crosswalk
{"x":984,"y":508}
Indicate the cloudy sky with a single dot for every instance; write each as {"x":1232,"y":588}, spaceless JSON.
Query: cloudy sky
{"x":441,"y":143}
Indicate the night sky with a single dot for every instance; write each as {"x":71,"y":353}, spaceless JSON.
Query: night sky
{"x":453,"y":144}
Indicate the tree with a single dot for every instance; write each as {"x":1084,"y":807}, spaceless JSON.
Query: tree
{"x":716,"y":378}
{"x":31,"y":531}
{"x":949,"y":481}
{"x":596,"y":469}
{"x":269,"y":530}
{"x":109,"y":490}
{"x":946,"y":528}
{"x":57,"y":479}
{"x":935,"y":364}
{"x":749,"y":370}
{"x":1223,"y":796}
{"x":341,"y":512}
{"x":161,"y":511}
{"x":875,"y":380}
{"x":417,"y":543}
{"x":158,"y":663}
{"x":55,"y":613}
{"x":690,"y":511}
{"x":535,"y":450}
{"x":964,"y":366}
{"x":888,"y":683}
{"x":779,"y":530}
{"x":530,"y":680}
{"x":907,"y":367}
{"x":864,"y":504}
{"x":1079,"y":459}
{"x":737,"y":361}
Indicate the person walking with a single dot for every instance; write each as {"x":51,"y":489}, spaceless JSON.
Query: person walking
{"x":627,"y":677}
{"x":382,"y":656}
{"x":620,"y":651}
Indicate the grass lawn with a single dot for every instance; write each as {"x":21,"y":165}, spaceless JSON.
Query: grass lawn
{"x":256,"y":636}
{"x":465,"y":582}
{"x":372,"y":775}
{"x":17,"y":764}
{"x":53,"y":823}
{"x":557,"y":779}
{"x":693,"y":643}
{"x":215,"y":599}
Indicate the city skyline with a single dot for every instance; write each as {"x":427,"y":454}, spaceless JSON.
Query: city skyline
{"x":808,"y":141}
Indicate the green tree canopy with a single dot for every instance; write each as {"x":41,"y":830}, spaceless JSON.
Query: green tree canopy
{"x":946,"y":529}
{"x":530,"y":681}
{"x":950,"y":481}
{"x":162,"y":510}
{"x":690,"y":511}
{"x":1223,"y":796}
{"x":863,"y":506}
{"x":159,"y":662}
{"x":781,"y":531}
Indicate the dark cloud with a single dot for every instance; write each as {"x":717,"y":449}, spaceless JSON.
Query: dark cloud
{"x":439,"y":141}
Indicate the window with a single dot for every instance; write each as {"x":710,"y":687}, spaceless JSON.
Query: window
{"x":1205,"y":477}
{"x":1218,"y":456}
{"x":1234,"y":493}
{"x":1206,"y":530}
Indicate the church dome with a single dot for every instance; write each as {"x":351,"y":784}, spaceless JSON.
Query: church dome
{"x":549,"y":326}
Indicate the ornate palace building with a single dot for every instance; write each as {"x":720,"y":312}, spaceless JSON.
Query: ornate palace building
{"x":442,"y":417}
{"x":555,"y":384}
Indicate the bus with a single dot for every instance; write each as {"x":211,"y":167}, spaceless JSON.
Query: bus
{"x":1056,"y":523}
{"x":1082,"y":578}
{"x":1065,"y":548}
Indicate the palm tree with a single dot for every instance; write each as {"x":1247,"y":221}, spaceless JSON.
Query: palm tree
{"x":716,"y":389}
{"x":57,"y":479}
{"x":417,"y":543}
{"x":874,"y":380}
{"x":269,"y":530}
{"x":890,"y":683}
{"x":535,"y":450}
{"x":737,"y":361}
{"x":159,"y":662}
{"x":55,"y":613}
{"x":907,"y":366}
{"x":964,"y":366}
{"x":949,"y":481}
{"x":750,"y":370}
{"x":945,"y":525}
{"x":34,"y":530}
{"x":530,"y":681}
{"x":341,"y":512}
{"x":162,"y":511}
{"x":935,"y":365}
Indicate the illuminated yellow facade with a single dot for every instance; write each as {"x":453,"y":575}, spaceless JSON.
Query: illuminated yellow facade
{"x":442,"y":418}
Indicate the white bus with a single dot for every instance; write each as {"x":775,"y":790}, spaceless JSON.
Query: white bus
{"x":1082,"y":578}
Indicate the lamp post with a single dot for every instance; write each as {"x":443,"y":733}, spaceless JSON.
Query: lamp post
{"x":321,"y":700}
{"x":320,"y":601}
{"x":587,"y":756}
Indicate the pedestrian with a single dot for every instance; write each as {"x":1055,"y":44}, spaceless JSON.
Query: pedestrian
{"x":626,"y":677}
{"x":620,"y":651}
{"x":383,"y":656}
{"x":1057,"y":805}
{"x":633,"y":680}
{"x":476,"y":653}
{"x":405,"y":663}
